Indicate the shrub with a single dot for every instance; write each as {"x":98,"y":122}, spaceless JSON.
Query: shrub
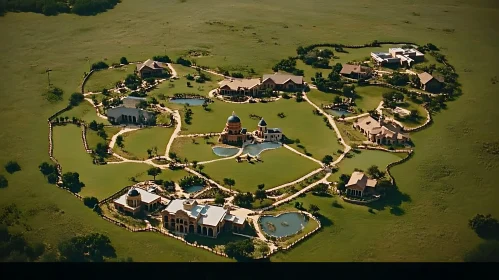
{"x":99,"y":65}
{"x":3,"y":182}
{"x":12,"y":166}
{"x":237,"y":75}
{"x":162,"y":58}
{"x":183,"y":61}
{"x":92,"y":7}
{"x":485,"y":226}
{"x":123,"y":60}
{"x":52,"y":178}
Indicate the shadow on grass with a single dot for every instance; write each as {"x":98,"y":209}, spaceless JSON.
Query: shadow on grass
{"x":335,"y":204}
{"x":325,"y":221}
{"x":392,"y":199}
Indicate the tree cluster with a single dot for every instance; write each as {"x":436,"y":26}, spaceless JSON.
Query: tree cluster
{"x":188,"y":115}
{"x":485,"y":226}
{"x":183,"y":61}
{"x":76,"y":98}
{"x":12,"y":167}
{"x":288,"y":65}
{"x":71,"y":180}
{"x":317,"y":58}
{"x":237,"y":75}
{"x":15,"y":248}
{"x":390,"y":99}
{"x":240,"y":250}
{"x":397,"y":79}
{"x":49,"y":171}
{"x":191,"y":180}
{"x":162,"y":58}
{"x":99,"y":65}
{"x":3,"y":182}
{"x":90,"y":202}
{"x":244,"y":199}
{"x":94,"y":247}
{"x":332,"y":82}
{"x":133,"y":81}
{"x":344,"y":178}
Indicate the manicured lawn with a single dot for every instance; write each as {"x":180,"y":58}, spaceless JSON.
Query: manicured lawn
{"x":248,"y":35}
{"x":409,"y":122}
{"x":369,"y":97}
{"x":85,"y":112}
{"x":107,"y":78}
{"x":321,"y":98}
{"x":222,"y":239}
{"x":278,"y":167}
{"x":200,"y":150}
{"x":100,"y":180}
{"x":299,"y":122}
{"x":350,"y":134}
{"x":137,"y":142}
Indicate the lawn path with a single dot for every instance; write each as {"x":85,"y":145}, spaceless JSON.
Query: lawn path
{"x":96,"y":108}
{"x":178,"y":120}
{"x":225,"y":158}
{"x":174,"y":73}
{"x":301,"y":154}
{"x":125,"y":130}
{"x":356,"y":117}
{"x":296,"y":181}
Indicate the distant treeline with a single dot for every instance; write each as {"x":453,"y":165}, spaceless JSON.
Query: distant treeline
{"x":54,"y":7}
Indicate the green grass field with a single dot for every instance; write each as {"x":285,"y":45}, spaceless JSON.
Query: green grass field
{"x":278,"y":167}
{"x":85,"y":112}
{"x":139,"y":141}
{"x":100,"y":181}
{"x":107,"y":78}
{"x":200,"y":150}
{"x":93,"y":139}
{"x":454,"y":157}
{"x":299,"y":123}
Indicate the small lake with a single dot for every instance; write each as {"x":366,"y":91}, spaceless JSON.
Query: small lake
{"x":283,"y":225}
{"x":193,"y":189}
{"x":190,"y":101}
{"x":225,"y":151}
{"x":338,"y":113}
{"x":255,"y":149}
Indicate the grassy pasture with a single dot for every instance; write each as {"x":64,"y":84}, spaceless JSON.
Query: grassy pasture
{"x":250,"y":35}
{"x":107,"y":78}
{"x":200,"y":150}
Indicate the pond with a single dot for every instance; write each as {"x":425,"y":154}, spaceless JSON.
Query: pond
{"x":283,"y":225}
{"x":190,"y":101}
{"x":193,"y":189}
{"x":255,"y":149}
{"x":338,"y":112}
{"x":225,"y":151}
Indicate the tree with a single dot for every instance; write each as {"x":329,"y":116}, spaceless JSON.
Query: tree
{"x":261,"y":186}
{"x":90,"y":202}
{"x":414,"y":114}
{"x":200,"y":167}
{"x":154,"y":171}
{"x":101,"y":150}
{"x":194,"y":163}
{"x":99,"y":65}
{"x":119,"y":141}
{"x":52,"y":178}
{"x":88,"y":248}
{"x":229,"y":182}
{"x":149,"y":153}
{"x":260,"y":194}
{"x":47,"y":168}
{"x":12,"y":166}
{"x":93,"y":125}
{"x":487,"y":251}
{"x":162,"y":58}
{"x":337,"y":68}
{"x":375,"y":173}
{"x":123,"y":60}
{"x":219,"y":199}
{"x":76,"y":98}
{"x":337,"y":100}
{"x":3,"y":182}
{"x":71,"y":180}
{"x":243,"y":199}
{"x":240,"y":250}
{"x":313,"y":209}
{"x":485,"y":226}
{"x":321,"y":188}
{"x":327,"y":159}
{"x":172,"y":155}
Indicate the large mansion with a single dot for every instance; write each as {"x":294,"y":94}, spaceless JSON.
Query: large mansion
{"x":380,"y":132}
{"x":137,"y":200}
{"x":276,"y":81}
{"x":404,"y":57}
{"x":234,"y":133}
{"x":187,"y":216}
{"x":129,"y":113}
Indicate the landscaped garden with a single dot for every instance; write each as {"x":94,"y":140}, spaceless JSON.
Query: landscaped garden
{"x":195,"y":148}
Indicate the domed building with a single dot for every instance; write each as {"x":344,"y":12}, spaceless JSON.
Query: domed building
{"x":233,"y":132}
{"x":267,"y":134}
{"x":136,"y":200}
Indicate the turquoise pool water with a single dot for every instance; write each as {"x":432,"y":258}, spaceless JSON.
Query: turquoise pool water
{"x":190,"y":101}
{"x":193,"y":189}
{"x":255,"y":149}
{"x":285,"y":224}
{"x":338,"y":113}
{"x":225,"y":152}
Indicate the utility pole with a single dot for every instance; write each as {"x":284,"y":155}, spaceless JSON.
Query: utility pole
{"x":48,"y":74}
{"x":165,"y":49}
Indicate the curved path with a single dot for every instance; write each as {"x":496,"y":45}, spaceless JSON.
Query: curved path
{"x":124,"y":130}
{"x":296,"y":181}
{"x":178,"y":120}
{"x":96,"y":108}
{"x":174,"y":73}
{"x":303,"y":155}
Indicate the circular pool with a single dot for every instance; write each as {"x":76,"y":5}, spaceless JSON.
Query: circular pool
{"x":193,"y":189}
{"x":283,"y":225}
{"x":338,"y":112}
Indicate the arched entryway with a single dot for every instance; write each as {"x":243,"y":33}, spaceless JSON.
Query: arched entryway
{"x":205,"y":232}
{"x":199,"y":229}
{"x":181,"y":228}
{"x":191,"y":228}
{"x":210,"y":232}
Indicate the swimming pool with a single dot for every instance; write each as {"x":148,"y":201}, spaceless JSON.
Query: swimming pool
{"x":255,"y":149}
{"x":193,"y":189}
{"x":225,"y":151}
{"x":338,"y":112}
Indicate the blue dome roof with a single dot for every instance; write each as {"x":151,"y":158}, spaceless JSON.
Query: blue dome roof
{"x":133,"y":192}
{"x":262,"y":123}
{"x":233,"y":118}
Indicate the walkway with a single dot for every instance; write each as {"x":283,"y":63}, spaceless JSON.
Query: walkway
{"x":96,"y":108}
{"x":174,"y":73}
{"x":200,"y":135}
{"x":302,"y":154}
{"x":356,"y":117}
{"x":178,"y":120}
{"x":304,"y":190}
{"x":125,"y":130}
{"x":296,"y":181}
